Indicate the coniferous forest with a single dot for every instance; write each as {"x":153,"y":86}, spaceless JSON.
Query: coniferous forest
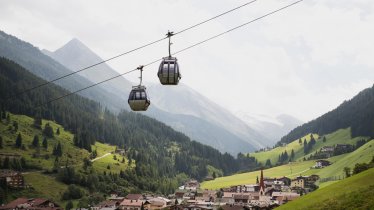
{"x":357,"y":113}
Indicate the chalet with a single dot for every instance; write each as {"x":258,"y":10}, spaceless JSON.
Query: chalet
{"x":284,"y":197}
{"x":13,"y":179}
{"x":192,"y":185}
{"x":106,"y":205}
{"x":327,"y":149}
{"x":134,"y":197}
{"x":322,"y":163}
{"x":33,"y":203}
{"x":128,"y":204}
{"x":241,"y":198}
{"x":298,"y":182}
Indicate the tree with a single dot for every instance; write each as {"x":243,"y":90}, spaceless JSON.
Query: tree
{"x":214,"y":175}
{"x":300,"y":141}
{"x":268,"y":163}
{"x":69,"y":205}
{"x":6,"y":164}
{"x":8,"y":118}
{"x":292,"y":154}
{"x":38,"y":122}
{"x":1,"y":142}
{"x":45,"y":143}
{"x":86,"y":163}
{"x":347,"y":171}
{"x":58,"y":131}
{"x":19,"y":141}
{"x":360,"y":167}
{"x":324,"y":139}
{"x":48,"y":130}
{"x":57,"y":150}
{"x":35,"y":141}
{"x":15,"y":126}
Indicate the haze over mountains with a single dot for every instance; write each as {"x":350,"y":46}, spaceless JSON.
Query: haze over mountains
{"x":272,"y":128}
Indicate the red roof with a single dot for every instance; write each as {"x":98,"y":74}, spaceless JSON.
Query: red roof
{"x":15,"y":203}
{"x":134,"y":196}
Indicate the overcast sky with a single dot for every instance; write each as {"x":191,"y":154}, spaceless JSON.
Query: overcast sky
{"x":303,"y":61}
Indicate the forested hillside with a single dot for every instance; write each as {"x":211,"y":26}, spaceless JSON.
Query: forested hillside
{"x":33,"y":60}
{"x":160,"y":152}
{"x":357,"y":113}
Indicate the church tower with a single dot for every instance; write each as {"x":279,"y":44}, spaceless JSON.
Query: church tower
{"x":262,"y":185}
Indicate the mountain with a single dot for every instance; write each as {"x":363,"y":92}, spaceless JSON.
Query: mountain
{"x":357,"y":113}
{"x":272,"y":128}
{"x":47,"y":68}
{"x":178,"y":106}
{"x":75,"y":55}
{"x":183,"y":100}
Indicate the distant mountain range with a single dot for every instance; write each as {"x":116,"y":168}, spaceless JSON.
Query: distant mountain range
{"x":272,"y":128}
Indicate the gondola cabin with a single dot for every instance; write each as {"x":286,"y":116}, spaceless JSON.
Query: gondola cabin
{"x":138,"y":99}
{"x":168,"y":72}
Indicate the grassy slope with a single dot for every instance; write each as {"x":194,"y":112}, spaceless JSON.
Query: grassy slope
{"x":356,"y":192}
{"x":46,"y":185}
{"x":341,"y":136}
{"x":363,"y":154}
{"x":274,"y":153}
{"x":250,"y":177}
{"x":28,"y":132}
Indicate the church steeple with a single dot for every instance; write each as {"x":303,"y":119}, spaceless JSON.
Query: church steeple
{"x":262,"y":185}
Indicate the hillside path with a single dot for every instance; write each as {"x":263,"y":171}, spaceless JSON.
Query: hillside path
{"x":98,"y":158}
{"x":300,"y":172}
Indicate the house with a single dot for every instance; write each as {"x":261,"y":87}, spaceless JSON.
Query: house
{"x":327,"y":149}
{"x":298,"y":182}
{"x":134,"y":197}
{"x":106,"y":205}
{"x":33,"y":203}
{"x":284,"y":197}
{"x":192,"y":185}
{"x":322,"y":163}
{"x":13,"y":179}
{"x":241,"y":198}
{"x":128,"y":204}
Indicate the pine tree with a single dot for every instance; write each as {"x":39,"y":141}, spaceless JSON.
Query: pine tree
{"x":58,"y":131}
{"x":45,"y":143}
{"x":57,"y":150}
{"x":19,"y":141}
{"x":324,"y":139}
{"x":268,"y":163}
{"x":15,"y":126}
{"x":292,"y":154}
{"x":6,"y":164}
{"x":48,"y":130}
{"x":38,"y":122}
{"x":35,"y":142}
{"x":69,"y":205}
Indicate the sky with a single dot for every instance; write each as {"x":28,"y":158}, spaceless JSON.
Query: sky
{"x":303,"y":61}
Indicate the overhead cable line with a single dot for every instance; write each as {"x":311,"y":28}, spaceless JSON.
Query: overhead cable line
{"x":177,"y":52}
{"x":131,"y":51}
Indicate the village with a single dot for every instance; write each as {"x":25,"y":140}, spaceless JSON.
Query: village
{"x":266,"y":193}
